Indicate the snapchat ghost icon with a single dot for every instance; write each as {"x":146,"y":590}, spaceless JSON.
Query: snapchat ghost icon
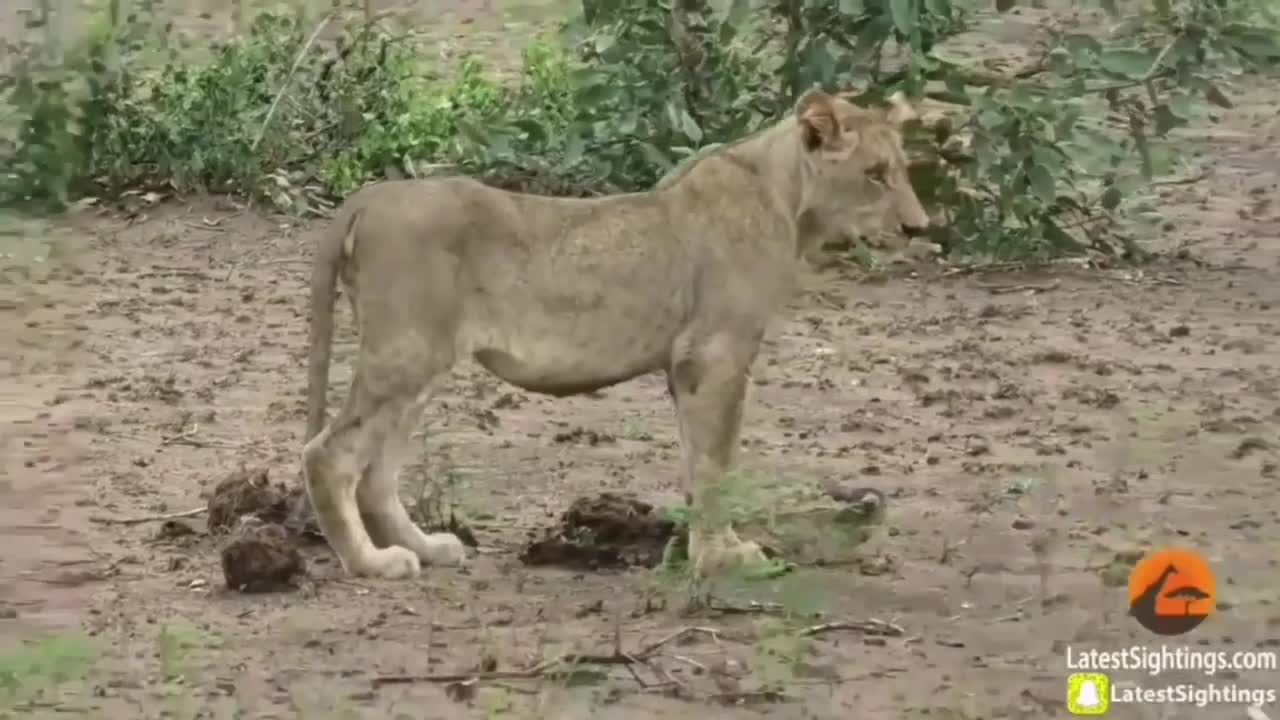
{"x":1088,"y":694}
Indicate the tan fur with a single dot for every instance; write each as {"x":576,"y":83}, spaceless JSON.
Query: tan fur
{"x":883,"y":206}
{"x":564,"y":296}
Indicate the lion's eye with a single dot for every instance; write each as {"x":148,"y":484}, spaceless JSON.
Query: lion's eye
{"x":877,"y":173}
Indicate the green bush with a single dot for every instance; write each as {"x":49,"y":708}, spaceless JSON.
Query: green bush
{"x":1027,"y":167}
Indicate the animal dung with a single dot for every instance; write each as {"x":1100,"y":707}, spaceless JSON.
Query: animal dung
{"x":261,"y":557}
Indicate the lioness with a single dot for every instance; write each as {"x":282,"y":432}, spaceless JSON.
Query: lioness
{"x":564,"y":296}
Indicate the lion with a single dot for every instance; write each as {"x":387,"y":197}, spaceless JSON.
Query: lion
{"x":564,"y":296}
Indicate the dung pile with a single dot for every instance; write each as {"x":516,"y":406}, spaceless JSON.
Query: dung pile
{"x":607,"y":531}
{"x":246,"y":492}
{"x":260,"y":522}
{"x":261,"y":557}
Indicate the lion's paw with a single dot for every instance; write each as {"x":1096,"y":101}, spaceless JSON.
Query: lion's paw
{"x":390,"y":563}
{"x":443,"y":548}
{"x":724,"y":552}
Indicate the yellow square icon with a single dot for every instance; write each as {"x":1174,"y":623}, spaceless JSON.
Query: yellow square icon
{"x":1088,"y":693}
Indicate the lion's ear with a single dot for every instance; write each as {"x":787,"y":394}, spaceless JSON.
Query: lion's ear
{"x":900,"y":110}
{"x":816,"y":112}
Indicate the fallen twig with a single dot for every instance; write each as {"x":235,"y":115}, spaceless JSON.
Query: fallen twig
{"x":751,"y":608}
{"x":536,"y":671}
{"x":284,"y":261}
{"x":149,"y":518}
{"x":870,"y":626}
{"x":195,"y":274}
{"x":188,"y":437}
{"x":653,"y":647}
{"x":204,"y":226}
{"x":745,"y":696}
{"x":548,"y":667}
{"x":997,"y":289}
{"x":994,"y":267}
{"x":1181,"y":181}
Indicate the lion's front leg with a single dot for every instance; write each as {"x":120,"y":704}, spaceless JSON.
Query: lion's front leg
{"x":710,"y":386}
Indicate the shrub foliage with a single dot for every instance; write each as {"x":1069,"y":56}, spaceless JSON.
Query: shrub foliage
{"x":1055,"y":157}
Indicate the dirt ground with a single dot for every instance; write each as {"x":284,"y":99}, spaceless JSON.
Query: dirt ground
{"x":1084,"y":413}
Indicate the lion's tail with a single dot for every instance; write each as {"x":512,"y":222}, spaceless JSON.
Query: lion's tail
{"x":324,"y":275}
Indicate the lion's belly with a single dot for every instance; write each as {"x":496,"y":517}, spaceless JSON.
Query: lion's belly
{"x":566,"y":345}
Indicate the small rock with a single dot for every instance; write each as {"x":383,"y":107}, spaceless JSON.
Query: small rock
{"x":1248,"y":446}
{"x":461,"y":691}
{"x":174,"y":529}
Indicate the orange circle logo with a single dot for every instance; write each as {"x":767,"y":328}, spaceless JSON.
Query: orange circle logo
{"x":1172,"y":591}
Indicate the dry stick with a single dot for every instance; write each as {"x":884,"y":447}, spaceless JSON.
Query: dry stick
{"x":536,"y":671}
{"x":871,"y":626}
{"x":149,"y":518}
{"x":297,"y":61}
{"x":541,"y":669}
{"x":997,"y":289}
{"x":1181,"y":181}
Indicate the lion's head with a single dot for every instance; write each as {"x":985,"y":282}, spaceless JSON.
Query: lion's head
{"x":856,"y":171}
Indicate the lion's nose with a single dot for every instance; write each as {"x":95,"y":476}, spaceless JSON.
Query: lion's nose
{"x":914,"y":231}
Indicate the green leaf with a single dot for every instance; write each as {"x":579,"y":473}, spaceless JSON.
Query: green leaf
{"x":954,"y":82}
{"x":592,"y":95}
{"x":1183,"y":49}
{"x":1042,"y":183}
{"x":738,"y":11}
{"x":673,"y":116}
{"x":872,"y":34}
{"x":1129,"y":62}
{"x":574,"y":147}
{"x":990,"y":119}
{"x":1081,"y":44}
{"x":1059,"y":237}
{"x":655,"y":156}
{"x":1257,"y":44}
{"x":1165,"y":120}
{"x":1048,"y":157}
{"x":904,"y":15}
{"x":819,"y":62}
{"x":1022,"y":97}
{"x":690,"y":126}
{"x":1163,"y":158}
{"x":939,"y":8}
{"x":1111,"y":198}
{"x":851,"y":8}
{"x":1060,"y":61}
{"x":1180,"y":104}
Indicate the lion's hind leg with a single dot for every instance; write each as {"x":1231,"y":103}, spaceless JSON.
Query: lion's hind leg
{"x":379,"y":501}
{"x":334,"y":462}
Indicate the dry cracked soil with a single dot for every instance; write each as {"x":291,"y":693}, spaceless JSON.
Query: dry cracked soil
{"x":1029,"y":431}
